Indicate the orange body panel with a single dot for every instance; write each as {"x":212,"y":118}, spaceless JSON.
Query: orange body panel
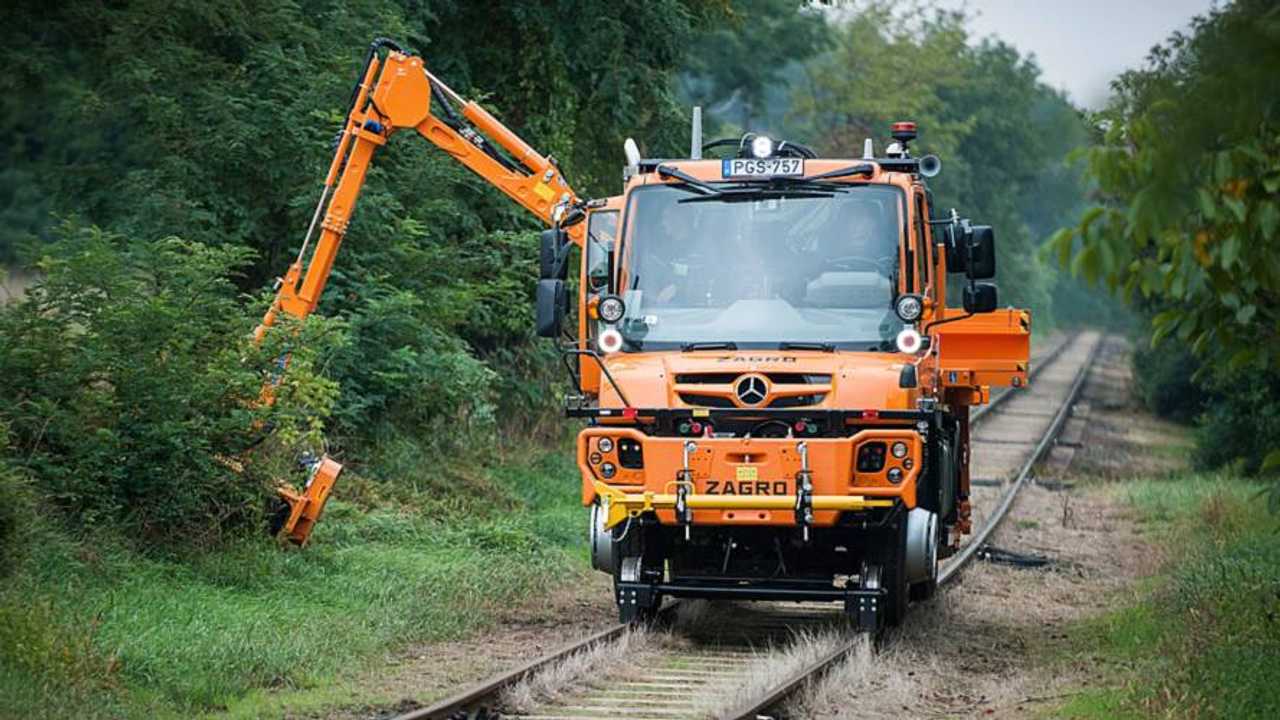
{"x":984,"y":350}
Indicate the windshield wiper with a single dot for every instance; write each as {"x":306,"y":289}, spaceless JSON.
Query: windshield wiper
{"x":859,"y":169}
{"x":744,"y":194}
{"x":690,"y":182}
{"x":713,"y":345}
{"x":819,"y":346}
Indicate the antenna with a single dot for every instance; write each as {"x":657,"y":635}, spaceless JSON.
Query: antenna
{"x":633,"y":158}
{"x":695,"y":139}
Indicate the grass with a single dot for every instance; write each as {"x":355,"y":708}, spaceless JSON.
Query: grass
{"x":1203,"y":640}
{"x":106,"y":632}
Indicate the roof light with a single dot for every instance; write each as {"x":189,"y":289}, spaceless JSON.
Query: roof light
{"x":903,"y":131}
{"x":762,"y":146}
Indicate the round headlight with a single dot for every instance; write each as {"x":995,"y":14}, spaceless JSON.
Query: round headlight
{"x":895,"y":475}
{"x":899,"y":449}
{"x":762,"y":146}
{"x":909,"y":308}
{"x":610,"y":341}
{"x":605,"y":445}
{"x":611,"y":308}
{"x":909,"y":341}
{"x":607,"y":470}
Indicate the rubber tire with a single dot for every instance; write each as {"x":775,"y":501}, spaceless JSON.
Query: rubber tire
{"x":926,"y":589}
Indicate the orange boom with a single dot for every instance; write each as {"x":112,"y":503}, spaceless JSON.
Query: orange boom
{"x":775,"y":383}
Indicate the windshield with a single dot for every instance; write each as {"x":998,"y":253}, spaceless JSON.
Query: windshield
{"x":761,"y":271}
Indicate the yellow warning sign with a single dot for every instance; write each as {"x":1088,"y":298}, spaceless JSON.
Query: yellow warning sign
{"x":544,"y":191}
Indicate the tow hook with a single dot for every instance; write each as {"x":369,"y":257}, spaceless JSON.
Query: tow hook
{"x":684,"y":481}
{"x":804,"y":492}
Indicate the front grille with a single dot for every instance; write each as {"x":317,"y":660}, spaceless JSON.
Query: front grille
{"x":711,"y":401}
{"x":798,"y":401}
{"x":715,"y":378}
{"x":727,"y":378}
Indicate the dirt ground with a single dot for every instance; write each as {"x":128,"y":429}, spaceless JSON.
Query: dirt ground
{"x":427,"y":672}
{"x":984,"y":646}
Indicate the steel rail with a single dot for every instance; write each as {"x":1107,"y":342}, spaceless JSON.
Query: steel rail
{"x":754,"y":709}
{"x":957,"y":563}
{"x":475,"y":696}
{"x":481,"y":695}
{"x":999,"y":398}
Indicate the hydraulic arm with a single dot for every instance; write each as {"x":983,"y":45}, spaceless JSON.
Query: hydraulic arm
{"x":397,"y":93}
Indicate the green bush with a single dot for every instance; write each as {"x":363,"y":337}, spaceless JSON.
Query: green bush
{"x":1164,"y":381}
{"x":1242,"y":423}
{"x":127,"y":387}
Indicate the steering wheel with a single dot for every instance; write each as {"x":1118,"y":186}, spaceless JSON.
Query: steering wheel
{"x":852,"y":262}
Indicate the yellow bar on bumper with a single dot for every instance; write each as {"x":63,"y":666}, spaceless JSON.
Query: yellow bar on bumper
{"x":618,"y":504}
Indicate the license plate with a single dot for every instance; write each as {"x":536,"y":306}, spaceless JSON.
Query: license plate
{"x":762,"y":167}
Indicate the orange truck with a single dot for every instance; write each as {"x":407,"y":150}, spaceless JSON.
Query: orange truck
{"x":775,"y":384}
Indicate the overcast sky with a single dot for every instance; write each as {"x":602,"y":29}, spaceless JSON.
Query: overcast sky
{"x":1081,"y":45}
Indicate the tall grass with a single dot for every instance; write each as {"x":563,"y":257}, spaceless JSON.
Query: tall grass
{"x":1204,"y":641}
{"x":90,"y":622}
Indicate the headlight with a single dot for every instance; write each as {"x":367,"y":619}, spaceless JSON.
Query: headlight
{"x":610,"y":341}
{"x":762,"y":146}
{"x":899,"y":450}
{"x":895,"y":475}
{"x":611,"y":308}
{"x":908,"y":308}
{"x":607,"y":470}
{"x":605,"y":445}
{"x":909,"y":341}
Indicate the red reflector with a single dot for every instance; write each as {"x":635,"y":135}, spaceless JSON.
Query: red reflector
{"x":870,"y":414}
{"x":799,"y":426}
{"x":630,"y":413}
{"x":696,"y":428}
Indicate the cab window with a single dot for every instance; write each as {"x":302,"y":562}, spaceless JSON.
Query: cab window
{"x":602,"y":232}
{"x":921,"y":244}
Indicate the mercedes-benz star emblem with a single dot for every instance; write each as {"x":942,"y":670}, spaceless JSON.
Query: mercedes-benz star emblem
{"x":752,"y":390}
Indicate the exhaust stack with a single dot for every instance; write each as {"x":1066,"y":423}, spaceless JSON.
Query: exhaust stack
{"x":695,"y":135}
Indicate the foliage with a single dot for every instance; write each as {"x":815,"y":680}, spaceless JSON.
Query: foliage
{"x":125,"y":387}
{"x":973,"y":103}
{"x":1187,"y":166}
{"x":1164,"y":382}
{"x":738,"y":60}
{"x":1241,"y":421}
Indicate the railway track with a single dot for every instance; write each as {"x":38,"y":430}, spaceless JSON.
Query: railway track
{"x":693,"y":667}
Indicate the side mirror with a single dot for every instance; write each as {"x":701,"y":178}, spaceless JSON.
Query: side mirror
{"x":553,"y":255}
{"x":552,"y":305}
{"x":979,"y":298}
{"x":982,"y":253}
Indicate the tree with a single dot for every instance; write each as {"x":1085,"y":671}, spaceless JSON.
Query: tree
{"x":1187,"y":220}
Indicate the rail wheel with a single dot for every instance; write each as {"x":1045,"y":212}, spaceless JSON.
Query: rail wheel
{"x":637,"y":568}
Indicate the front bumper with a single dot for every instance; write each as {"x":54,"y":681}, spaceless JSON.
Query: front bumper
{"x":744,"y":481}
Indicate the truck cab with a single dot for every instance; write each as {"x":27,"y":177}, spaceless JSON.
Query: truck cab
{"x":775,"y":387}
